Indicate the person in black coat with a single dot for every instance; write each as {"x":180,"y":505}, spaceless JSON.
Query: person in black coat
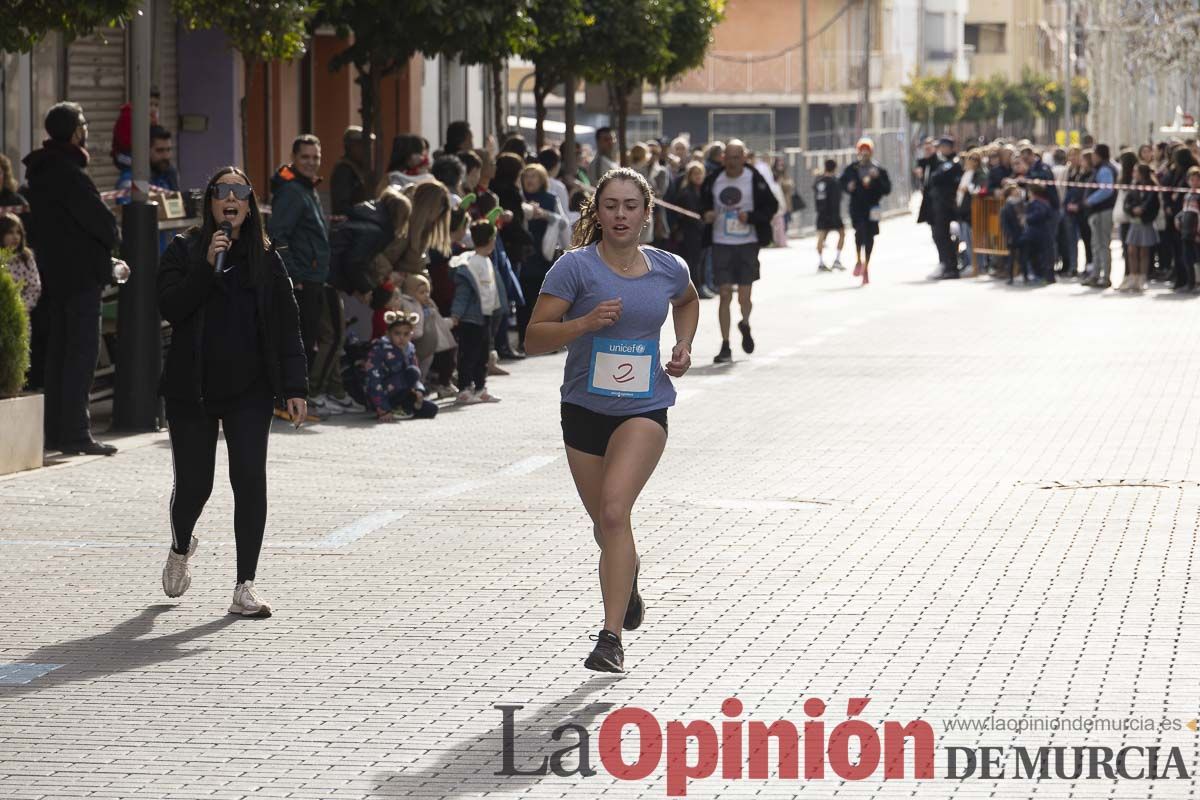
{"x":73,"y":233}
{"x":944,"y":177}
{"x":866,"y":183}
{"x":235,"y":349}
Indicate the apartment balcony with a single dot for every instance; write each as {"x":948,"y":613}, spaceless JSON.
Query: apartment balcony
{"x":834,"y":77}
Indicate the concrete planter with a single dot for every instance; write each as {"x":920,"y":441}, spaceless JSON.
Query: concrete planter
{"x":21,"y":432}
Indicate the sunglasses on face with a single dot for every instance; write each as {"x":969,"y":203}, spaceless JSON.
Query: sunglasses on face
{"x":223,"y":191}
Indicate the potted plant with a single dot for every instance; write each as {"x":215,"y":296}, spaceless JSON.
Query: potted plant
{"x":21,"y":415}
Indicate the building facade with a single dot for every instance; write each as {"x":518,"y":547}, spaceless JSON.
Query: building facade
{"x":751,"y":84}
{"x":202,"y":82}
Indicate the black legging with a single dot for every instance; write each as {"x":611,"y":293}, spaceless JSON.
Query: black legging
{"x":193,"y":430}
{"x":531,"y":279}
{"x":864,"y":238}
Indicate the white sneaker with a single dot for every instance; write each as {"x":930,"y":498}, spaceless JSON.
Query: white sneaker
{"x":447,"y":392}
{"x":332,"y":406}
{"x":317,"y":408}
{"x":466,"y":397}
{"x":484,"y":396}
{"x":177,"y":575}
{"x":347,"y":404}
{"x":248,"y":602}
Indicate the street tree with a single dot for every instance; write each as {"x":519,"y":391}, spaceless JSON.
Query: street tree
{"x":28,"y":21}
{"x":510,"y":30}
{"x":690,"y":26}
{"x":260,"y":30}
{"x":629,"y":43}
{"x":562,"y":28}
{"x":384,"y":35}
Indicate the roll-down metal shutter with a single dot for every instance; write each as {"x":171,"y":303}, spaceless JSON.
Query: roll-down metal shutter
{"x":96,"y":76}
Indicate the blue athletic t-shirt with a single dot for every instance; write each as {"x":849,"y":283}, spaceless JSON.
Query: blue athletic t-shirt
{"x":607,"y":370}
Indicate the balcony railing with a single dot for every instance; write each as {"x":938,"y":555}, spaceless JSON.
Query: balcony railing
{"x":739,"y":73}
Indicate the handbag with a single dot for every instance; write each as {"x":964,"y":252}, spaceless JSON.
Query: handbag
{"x":875,"y":214}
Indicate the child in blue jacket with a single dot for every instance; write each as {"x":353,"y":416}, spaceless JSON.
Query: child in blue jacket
{"x":392,"y":382}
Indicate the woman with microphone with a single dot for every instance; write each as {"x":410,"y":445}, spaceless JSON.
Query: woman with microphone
{"x":235,"y":348}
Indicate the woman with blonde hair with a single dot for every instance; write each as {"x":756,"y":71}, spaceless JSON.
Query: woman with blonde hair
{"x":544,"y":216}
{"x":428,"y":229}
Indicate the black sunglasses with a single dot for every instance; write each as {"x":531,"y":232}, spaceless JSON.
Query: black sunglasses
{"x":223,"y":191}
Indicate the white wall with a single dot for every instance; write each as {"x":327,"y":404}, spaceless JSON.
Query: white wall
{"x":430,"y":102}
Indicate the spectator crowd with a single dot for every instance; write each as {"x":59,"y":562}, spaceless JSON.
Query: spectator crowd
{"x":411,"y":287}
{"x":1050,"y":201}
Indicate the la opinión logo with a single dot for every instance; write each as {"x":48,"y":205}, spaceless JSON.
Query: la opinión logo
{"x":741,"y":749}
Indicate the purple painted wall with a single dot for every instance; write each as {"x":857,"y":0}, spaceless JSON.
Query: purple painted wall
{"x":208,"y":85}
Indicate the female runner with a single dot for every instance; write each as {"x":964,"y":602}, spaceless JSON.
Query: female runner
{"x":607,"y":299}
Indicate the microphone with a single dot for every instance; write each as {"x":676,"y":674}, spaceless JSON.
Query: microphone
{"x":226,"y":229}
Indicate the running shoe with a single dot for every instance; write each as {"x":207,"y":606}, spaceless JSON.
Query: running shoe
{"x":822,"y":268}
{"x":837,"y":264}
{"x":330,"y":406}
{"x":347,"y":404}
{"x":607,"y":655}
{"x":248,"y":602}
{"x":635,"y":612}
{"x":726,"y":355}
{"x":747,"y":339}
{"x":486,"y":397}
{"x":466,"y":398}
{"x":177,"y":575}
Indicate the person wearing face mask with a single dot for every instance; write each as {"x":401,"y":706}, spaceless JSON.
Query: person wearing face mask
{"x":606,"y":299}
{"x":73,"y":234}
{"x":235,"y":350}
{"x":866,"y":182}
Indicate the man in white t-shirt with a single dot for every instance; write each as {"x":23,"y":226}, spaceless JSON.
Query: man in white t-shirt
{"x":737,"y":204}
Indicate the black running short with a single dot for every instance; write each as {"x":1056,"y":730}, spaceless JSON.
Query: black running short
{"x":589,"y":431}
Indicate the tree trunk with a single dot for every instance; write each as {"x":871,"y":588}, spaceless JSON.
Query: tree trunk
{"x":248,"y":65}
{"x":539,"y":106}
{"x":568,"y":147}
{"x":368,"y":81}
{"x":622,"y":118}
{"x":498,"y":102}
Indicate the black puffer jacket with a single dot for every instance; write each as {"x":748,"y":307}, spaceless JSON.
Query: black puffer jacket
{"x":185,"y":279}
{"x":71,"y":229}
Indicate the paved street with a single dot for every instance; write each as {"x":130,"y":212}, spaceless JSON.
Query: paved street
{"x":962,"y":500}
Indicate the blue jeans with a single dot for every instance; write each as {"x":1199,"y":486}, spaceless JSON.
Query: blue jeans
{"x":1072,"y":264}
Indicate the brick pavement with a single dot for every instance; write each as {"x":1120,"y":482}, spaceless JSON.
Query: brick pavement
{"x":960,"y":500}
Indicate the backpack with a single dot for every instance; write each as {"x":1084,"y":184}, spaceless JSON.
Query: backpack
{"x":354,"y":244}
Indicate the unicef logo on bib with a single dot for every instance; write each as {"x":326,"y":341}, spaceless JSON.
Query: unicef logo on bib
{"x":623,"y":367}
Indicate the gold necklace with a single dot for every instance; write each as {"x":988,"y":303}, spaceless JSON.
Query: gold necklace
{"x":636,"y":255}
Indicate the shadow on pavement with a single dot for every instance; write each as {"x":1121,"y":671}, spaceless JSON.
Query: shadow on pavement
{"x":125,"y":648}
{"x":469,"y":768}
{"x":712,"y":369}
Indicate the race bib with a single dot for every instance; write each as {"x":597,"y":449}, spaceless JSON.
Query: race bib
{"x":623,"y":367}
{"x":734,"y":226}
